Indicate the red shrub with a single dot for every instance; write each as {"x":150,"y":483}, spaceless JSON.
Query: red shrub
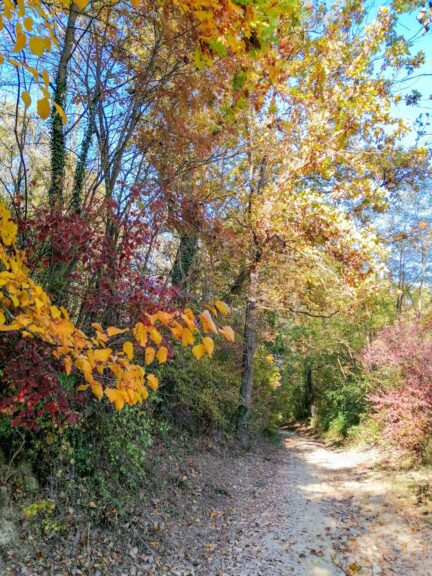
{"x":404,"y":408}
{"x":31,"y":393}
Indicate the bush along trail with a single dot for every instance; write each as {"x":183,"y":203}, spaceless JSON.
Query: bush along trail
{"x":299,"y":508}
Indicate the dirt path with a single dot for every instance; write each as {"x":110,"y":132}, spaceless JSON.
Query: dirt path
{"x":299,"y":510}
{"x":323,"y":513}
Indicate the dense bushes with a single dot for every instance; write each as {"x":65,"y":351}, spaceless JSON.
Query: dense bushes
{"x":400,"y":364}
{"x":201,"y":397}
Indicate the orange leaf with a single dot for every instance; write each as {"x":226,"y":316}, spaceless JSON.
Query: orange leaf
{"x":68,"y":364}
{"x":228,"y":333}
{"x":207,"y":322}
{"x":113,"y":331}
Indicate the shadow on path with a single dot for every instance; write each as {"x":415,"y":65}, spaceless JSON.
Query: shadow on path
{"x":327,"y":513}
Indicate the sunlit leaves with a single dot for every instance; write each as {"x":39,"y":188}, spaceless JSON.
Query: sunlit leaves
{"x":82,"y":3}
{"x":21,"y":39}
{"x":207,"y":322}
{"x":227,"y":332}
{"x":222,"y":307}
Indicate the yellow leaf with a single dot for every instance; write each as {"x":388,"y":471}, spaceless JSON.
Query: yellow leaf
{"x":45,"y":77}
{"x":187,"y":337}
{"x":65,"y":312}
{"x":198,"y":351}
{"x":189,"y":320}
{"x":28,"y":23}
{"x":140,"y":333}
{"x":155,"y":335}
{"x":135,"y":3}
{"x":207,"y":322}
{"x":208,"y":345}
{"x":84,"y":365}
{"x":164,"y":317}
{"x":115,"y":397}
{"x":227,"y":332}
{"x":101,"y":337}
{"x":188,"y":312}
{"x":10,"y":327}
{"x":149,"y":355}
{"x":21,"y":39}
{"x":37,"y":45}
{"x":3,"y":318}
{"x":68,"y":364}
{"x":152,"y":318}
{"x":223,"y":308}
{"x":60,"y":112}
{"x":43,"y":108}
{"x":177,"y":330}
{"x":63,"y":328}
{"x":81,"y":3}
{"x":102,"y":354}
{"x":55,"y":312}
{"x":26,"y":98}
{"x":162,"y":354}
{"x":97,"y":389}
{"x":153,"y":381}
{"x":113,"y":331}
{"x":212,"y":309}
{"x":128,"y":349}
{"x":8,"y":232}
{"x":83,"y":387}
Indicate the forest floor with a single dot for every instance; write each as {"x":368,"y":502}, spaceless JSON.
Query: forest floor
{"x":303,"y":509}
{"x":325,"y":512}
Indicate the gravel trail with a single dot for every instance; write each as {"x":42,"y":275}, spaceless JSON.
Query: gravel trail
{"x":325,"y":512}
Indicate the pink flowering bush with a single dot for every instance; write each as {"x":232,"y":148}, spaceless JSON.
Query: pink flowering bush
{"x":400,"y":359}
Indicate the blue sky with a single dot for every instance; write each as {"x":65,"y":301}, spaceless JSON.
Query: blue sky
{"x":410,"y":28}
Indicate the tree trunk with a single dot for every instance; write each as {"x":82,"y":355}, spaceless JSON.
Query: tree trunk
{"x":309,"y":391}
{"x":184,"y":260}
{"x":248,"y":356}
{"x":80,"y":169}
{"x":58,"y":144}
{"x":57,"y":270}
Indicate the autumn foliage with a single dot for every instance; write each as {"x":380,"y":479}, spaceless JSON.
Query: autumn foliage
{"x":161,"y":158}
{"x":403,"y":403}
{"x":104,"y":360}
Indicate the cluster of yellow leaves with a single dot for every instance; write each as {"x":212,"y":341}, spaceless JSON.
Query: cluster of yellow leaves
{"x":105,"y":359}
{"x":222,"y":27}
{"x":237,"y":27}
